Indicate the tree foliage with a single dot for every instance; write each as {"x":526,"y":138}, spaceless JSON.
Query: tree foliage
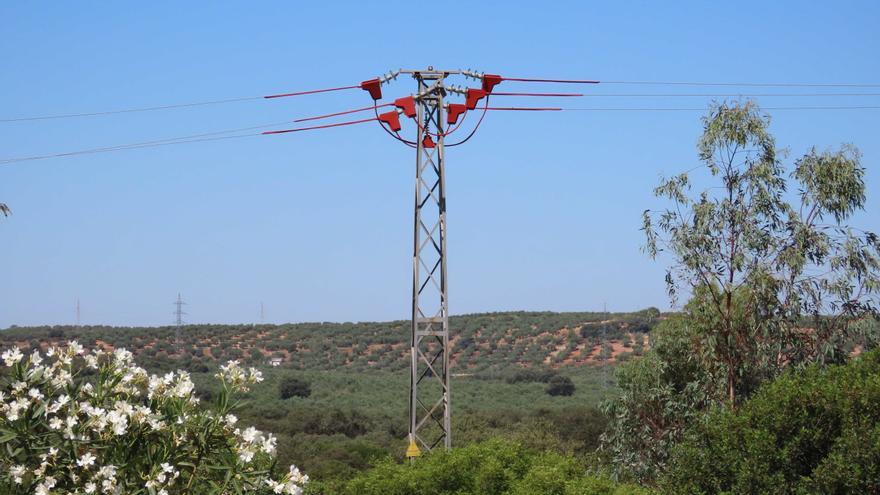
{"x":291,"y":386}
{"x":812,"y":431}
{"x":661,"y":394}
{"x":777,"y":283}
{"x":494,"y":467}
{"x":776,"y":280}
{"x":560,"y":385}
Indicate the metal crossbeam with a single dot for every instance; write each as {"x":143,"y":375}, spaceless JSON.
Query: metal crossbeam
{"x":429,"y":406}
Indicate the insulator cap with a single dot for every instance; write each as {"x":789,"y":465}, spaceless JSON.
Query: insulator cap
{"x":453,"y":112}
{"x":391,"y":118}
{"x":473,"y":96}
{"x":374,"y":87}
{"x":490,"y":81}
{"x":407,"y":104}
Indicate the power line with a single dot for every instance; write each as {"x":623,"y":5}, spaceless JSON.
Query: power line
{"x":130,"y":110}
{"x":746,"y":84}
{"x":720,"y":95}
{"x":215,"y":136}
{"x":564,"y":81}
{"x":703,"y":109}
{"x":192,"y":138}
{"x":173,"y":106}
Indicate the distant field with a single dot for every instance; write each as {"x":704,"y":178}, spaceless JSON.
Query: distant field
{"x":481,"y":342}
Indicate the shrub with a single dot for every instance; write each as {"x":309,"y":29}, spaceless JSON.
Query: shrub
{"x":817,"y":431}
{"x":290,"y":386}
{"x":493,"y":467}
{"x":122,"y":430}
{"x":531,"y":375}
{"x":560,"y":385}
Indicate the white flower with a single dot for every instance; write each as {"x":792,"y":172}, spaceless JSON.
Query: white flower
{"x":246,"y":456}
{"x":12,"y":356}
{"x":250,"y":434}
{"x":269,"y":442}
{"x":55,"y":423}
{"x":86,"y":460}
{"x":35,"y":358}
{"x":17,"y":472}
{"x":74,"y":348}
{"x":35,"y":394}
{"x":92,"y":361}
{"x":90,"y":487}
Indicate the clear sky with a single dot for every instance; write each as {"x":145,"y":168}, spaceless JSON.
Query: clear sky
{"x":543,"y":209}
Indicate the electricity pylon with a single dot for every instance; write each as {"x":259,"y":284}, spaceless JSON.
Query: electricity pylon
{"x":429,"y":405}
{"x":430,"y":396}
{"x":178,"y":313}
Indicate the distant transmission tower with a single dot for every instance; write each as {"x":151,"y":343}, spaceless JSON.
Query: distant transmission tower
{"x":77,"y":312}
{"x":178,"y":313}
{"x":262,"y":313}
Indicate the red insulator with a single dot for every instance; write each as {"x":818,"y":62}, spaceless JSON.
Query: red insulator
{"x":454,"y":112}
{"x":490,"y":81}
{"x":427,"y":142}
{"x":374,"y":87}
{"x":407,"y":104}
{"x":473,"y":96}
{"x":392,"y":119}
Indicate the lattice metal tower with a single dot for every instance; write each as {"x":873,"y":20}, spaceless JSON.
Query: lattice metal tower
{"x":429,"y":405}
{"x":430,"y":396}
{"x":178,"y":313}
{"x":77,"y":312}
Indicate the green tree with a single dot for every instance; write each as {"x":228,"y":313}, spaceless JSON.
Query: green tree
{"x":661,"y":394}
{"x":815,"y":430}
{"x":760,"y":268}
{"x":290,"y":386}
{"x":560,"y":385}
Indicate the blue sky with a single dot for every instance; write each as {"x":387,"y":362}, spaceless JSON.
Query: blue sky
{"x":543,"y":209}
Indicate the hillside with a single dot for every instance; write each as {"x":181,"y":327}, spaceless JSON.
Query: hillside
{"x":480,"y":341}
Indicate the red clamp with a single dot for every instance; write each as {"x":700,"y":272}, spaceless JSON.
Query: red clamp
{"x":473,"y":96}
{"x":391,"y":119}
{"x":407,"y":104}
{"x":374,"y":87}
{"x":490,"y":81}
{"x":455,"y":110}
{"x":427,"y":142}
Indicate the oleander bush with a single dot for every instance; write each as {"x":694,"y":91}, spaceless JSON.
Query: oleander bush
{"x":78,"y":422}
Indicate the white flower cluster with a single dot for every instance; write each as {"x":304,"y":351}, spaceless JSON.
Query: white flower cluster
{"x":89,"y":424}
{"x":292,"y":484}
{"x":253,"y":441}
{"x":238,"y":378}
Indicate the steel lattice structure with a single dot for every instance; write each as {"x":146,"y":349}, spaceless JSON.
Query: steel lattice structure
{"x":430,"y":410}
{"x":429,"y":406}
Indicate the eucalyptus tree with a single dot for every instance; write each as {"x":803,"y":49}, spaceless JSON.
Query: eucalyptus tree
{"x":777,"y":276}
{"x":774,"y":275}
